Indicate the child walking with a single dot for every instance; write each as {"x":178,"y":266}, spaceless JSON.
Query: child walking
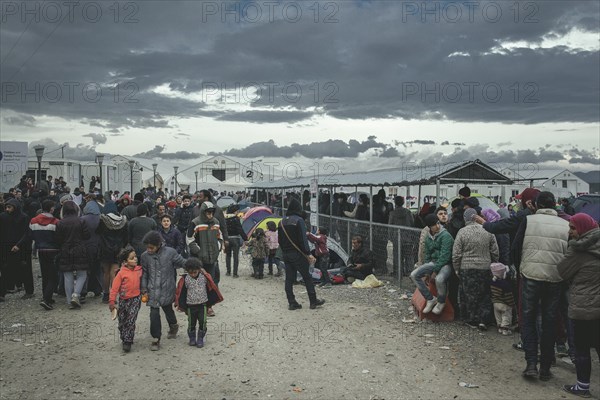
{"x":127,"y":285}
{"x":196,"y":292}
{"x":502,"y":297}
{"x":322,"y":255}
{"x":273,"y":242}
{"x":259,"y":249}
{"x":158,"y":264}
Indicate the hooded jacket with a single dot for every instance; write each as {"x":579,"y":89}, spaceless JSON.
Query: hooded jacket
{"x":203,"y":237}
{"x":71,"y":234}
{"x":219,"y":215}
{"x":581,"y":267}
{"x":14,"y":227}
{"x":438,"y":249}
{"x":43,"y":231}
{"x":91,"y":216}
{"x":295,"y":227}
{"x":157,"y":275}
{"x":112,"y":230}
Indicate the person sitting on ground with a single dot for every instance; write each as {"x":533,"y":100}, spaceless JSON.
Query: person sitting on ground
{"x":437,"y":264}
{"x":360,"y":262}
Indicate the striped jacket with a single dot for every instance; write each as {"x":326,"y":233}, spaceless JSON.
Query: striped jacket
{"x":203,"y":239}
{"x":43,"y":231}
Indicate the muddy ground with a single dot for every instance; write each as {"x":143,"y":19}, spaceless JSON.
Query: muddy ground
{"x":354,"y":347}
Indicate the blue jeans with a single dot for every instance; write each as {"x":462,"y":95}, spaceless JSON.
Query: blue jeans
{"x":233,"y":249}
{"x":536,"y":294}
{"x":441,"y":280}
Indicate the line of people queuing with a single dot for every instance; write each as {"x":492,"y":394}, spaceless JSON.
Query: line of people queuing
{"x":539,"y":264}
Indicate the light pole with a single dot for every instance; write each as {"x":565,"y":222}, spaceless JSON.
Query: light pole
{"x":131,"y":164}
{"x":175,"y":188}
{"x":39,"y":153}
{"x":196,"y":173}
{"x":100,"y":158}
{"x":154,"y":169}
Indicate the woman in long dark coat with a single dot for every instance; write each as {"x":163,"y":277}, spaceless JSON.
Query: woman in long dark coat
{"x":71,"y":234}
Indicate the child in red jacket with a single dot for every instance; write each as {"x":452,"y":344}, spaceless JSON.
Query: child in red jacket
{"x":196,"y":292}
{"x":322,"y":255}
{"x":127,"y":285}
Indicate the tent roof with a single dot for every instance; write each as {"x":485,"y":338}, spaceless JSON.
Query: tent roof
{"x":468,"y":172}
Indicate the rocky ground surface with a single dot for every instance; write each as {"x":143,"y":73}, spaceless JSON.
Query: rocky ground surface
{"x":355,"y":347}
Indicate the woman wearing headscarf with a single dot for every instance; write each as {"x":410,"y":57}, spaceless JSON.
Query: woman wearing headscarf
{"x":503,"y":239}
{"x":581,"y":268}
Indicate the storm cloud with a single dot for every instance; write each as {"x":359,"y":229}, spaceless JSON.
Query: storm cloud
{"x":143,"y":74}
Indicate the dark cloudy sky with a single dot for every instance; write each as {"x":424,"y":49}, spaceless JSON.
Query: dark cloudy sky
{"x":177,"y":79}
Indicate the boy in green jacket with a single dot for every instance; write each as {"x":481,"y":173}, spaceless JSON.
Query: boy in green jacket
{"x":438,"y":260}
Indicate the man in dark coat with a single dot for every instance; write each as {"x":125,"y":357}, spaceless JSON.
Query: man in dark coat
{"x":296,"y":255}
{"x":15,"y":250}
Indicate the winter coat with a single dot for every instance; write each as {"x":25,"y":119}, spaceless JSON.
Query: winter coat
{"x":234,"y":226}
{"x":401,"y":216}
{"x":93,"y":243}
{"x":362,"y":256}
{"x":131,"y":210}
{"x":503,"y":240}
{"x":258,"y":247}
{"x":14,"y":227}
{"x":272,"y":239}
{"x":43,"y":231}
{"x":126,"y":284}
{"x":219,"y":215}
{"x":203,"y":237}
{"x":71,"y":234}
{"x":474,"y":248}
{"x":295,"y":227}
{"x":438,"y":249}
{"x":137,"y":229}
{"x":157,"y":275}
{"x":173,"y":238}
{"x":112,"y":230}
{"x":183,"y":217}
{"x":320,"y":242}
{"x":581,"y":267}
{"x":214,"y":295}
{"x":541,"y":244}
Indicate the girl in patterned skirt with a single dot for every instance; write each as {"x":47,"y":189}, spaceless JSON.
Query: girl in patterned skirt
{"x":127,"y":285}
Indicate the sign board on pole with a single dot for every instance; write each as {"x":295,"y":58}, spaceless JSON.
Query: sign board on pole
{"x":13,"y":163}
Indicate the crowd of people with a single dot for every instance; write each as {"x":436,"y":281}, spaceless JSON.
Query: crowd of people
{"x":495,"y":267}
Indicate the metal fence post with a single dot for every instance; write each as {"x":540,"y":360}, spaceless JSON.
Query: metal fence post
{"x":399,"y":251}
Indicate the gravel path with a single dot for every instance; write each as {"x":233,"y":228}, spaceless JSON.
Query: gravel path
{"x":354,"y":347}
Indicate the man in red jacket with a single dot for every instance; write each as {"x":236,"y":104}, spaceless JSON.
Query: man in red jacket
{"x":43,"y":230}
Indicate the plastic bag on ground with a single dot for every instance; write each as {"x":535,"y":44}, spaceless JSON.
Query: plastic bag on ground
{"x":369,"y":282}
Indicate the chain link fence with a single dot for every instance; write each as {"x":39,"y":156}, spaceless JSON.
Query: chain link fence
{"x":395,"y":248}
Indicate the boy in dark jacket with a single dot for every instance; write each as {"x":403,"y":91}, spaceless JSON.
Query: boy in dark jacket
{"x":236,"y":237}
{"x":171,"y":235}
{"x":196,"y":291}
{"x":184,"y":214}
{"x":158,"y":263}
{"x":43,"y":231}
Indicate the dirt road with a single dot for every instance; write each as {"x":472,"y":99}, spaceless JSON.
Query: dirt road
{"x":355,"y":347}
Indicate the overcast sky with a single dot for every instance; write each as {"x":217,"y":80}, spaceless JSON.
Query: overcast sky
{"x":386,"y":80}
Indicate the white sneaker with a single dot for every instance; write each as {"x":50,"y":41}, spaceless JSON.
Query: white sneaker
{"x":429,"y":305}
{"x":437,"y":310}
{"x":75,"y":300}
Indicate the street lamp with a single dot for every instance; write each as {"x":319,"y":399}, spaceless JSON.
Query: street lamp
{"x":100,"y":158}
{"x":154,"y":169}
{"x":196,"y":173}
{"x":131,"y":164}
{"x":175,"y":168}
{"x":39,"y":153}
